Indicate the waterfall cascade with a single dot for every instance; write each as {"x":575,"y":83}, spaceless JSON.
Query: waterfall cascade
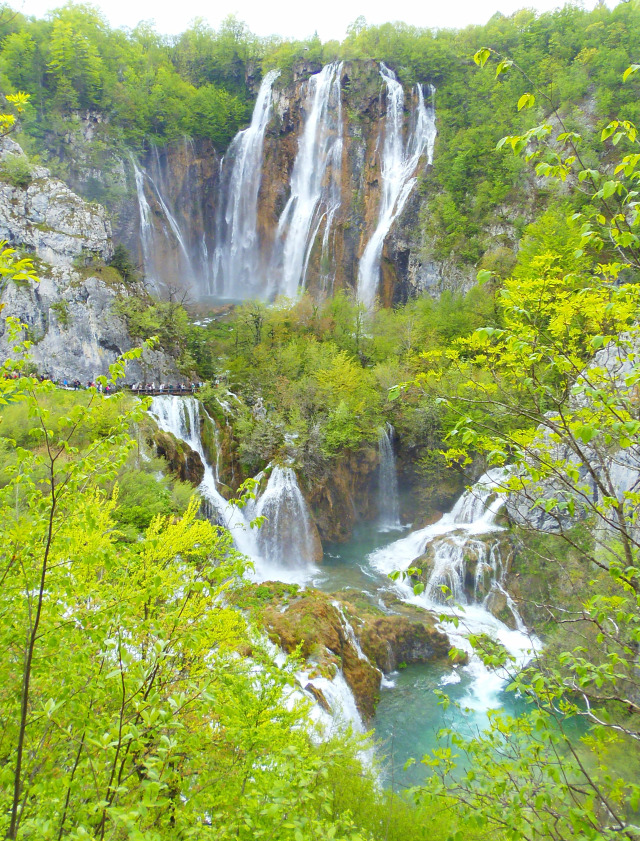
{"x":473,"y":514}
{"x":315,"y":182}
{"x":280,"y":549}
{"x":462,"y":534}
{"x":237,"y":256}
{"x":284,"y":548}
{"x":388,"y":497}
{"x":399,"y":164}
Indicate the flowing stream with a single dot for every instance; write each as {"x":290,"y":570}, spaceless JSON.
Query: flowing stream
{"x":461,"y":556}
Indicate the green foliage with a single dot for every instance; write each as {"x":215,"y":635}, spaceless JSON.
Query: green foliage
{"x":145,"y":318}
{"x":17,"y":170}
{"x":126,"y":709}
{"x":123,"y":262}
{"x":563,"y":366}
{"x":61,"y":310}
{"x":309,"y":381}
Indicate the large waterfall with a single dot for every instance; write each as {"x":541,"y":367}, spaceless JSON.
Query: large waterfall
{"x":388,"y":497}
{"x":237,"y":270}
{"x":315,"y":183}
{"x":288,"y":206}
{"x":399,"y":164}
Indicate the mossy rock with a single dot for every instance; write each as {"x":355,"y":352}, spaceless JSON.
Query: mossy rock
{"x":182,"y":460}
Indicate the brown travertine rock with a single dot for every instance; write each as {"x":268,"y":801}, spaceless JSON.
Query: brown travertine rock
{"x":317,"y":623}
{"x":182,"y":460}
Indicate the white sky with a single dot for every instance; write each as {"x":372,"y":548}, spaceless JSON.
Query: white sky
{"x":299,"y":18}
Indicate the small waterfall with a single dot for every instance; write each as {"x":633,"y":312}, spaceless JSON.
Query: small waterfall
{"x":388,"y":498}
{"x":398,"y":168}
{"x":181,"y":417}
{"x":285,"y":547}
{"x":236,"y":259}
{"x":455,"y":542}
{"x":349,"y":633}
{"x":315,"y":184}
{"x":285,"y":540}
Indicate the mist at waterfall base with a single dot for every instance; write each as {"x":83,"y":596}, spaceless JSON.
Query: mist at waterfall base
{"x":408,"y":716}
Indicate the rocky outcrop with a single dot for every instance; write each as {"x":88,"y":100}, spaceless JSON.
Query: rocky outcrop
{"x":43,"y":216}
{"x":69,"y":314}
{"x":345,"y":494}
{"x":406,"y":636}
{"x":182,"y":460}
{"x":362,"y":641}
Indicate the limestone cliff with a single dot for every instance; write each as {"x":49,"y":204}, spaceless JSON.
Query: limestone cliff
{"x":68,"y":314}
{"x":172,"y":204}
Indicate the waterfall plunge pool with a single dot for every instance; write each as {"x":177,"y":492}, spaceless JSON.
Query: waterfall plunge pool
{"x":409,"y":716}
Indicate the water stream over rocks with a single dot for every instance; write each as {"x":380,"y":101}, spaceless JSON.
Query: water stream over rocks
{"x":460,"y":556}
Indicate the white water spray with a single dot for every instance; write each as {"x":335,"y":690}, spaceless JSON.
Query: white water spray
{"x":398,"y":169}
{"x":285,"y":540}
{"x":236,"y":261}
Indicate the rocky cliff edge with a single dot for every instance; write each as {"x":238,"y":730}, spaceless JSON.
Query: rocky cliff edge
{"x":69,"y":314}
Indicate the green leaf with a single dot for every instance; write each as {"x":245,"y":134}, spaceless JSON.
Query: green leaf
{"x":527,"y":100}
{"x":482,"y":56}
{"x":483,"y":276}
{"x":503,"y":66}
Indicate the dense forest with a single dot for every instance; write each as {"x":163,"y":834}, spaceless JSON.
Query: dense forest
{"x":156,"y":681}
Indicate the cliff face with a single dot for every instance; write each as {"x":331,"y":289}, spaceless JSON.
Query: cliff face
{"x":170,"y":228}
{"x":320,"y":157}
{"x":68,"y":314}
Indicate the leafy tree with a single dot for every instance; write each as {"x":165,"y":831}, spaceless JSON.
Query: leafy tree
{"x":564,"y":364}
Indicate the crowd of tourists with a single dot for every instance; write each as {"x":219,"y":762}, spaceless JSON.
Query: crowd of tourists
{"x":136,"y":388}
